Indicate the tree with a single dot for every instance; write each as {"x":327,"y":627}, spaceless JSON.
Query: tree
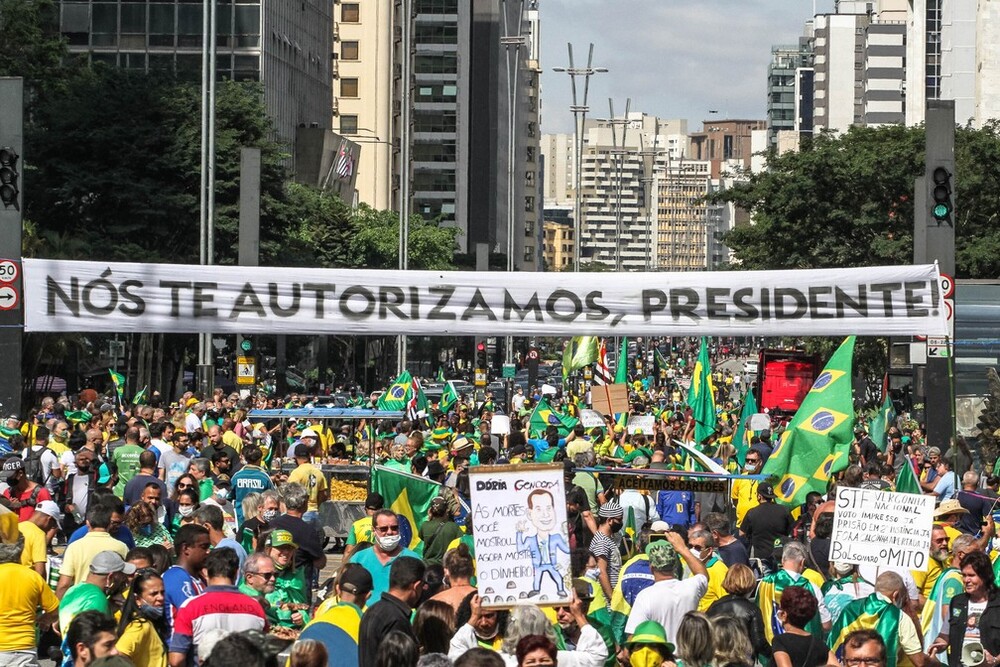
{"x":30,"y":44}
{"x":847,"y":200}
{"x":376,"y":241}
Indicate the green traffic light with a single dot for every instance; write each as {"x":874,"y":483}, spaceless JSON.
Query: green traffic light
{"x":941,"y":211}
{"x":246,"y":345}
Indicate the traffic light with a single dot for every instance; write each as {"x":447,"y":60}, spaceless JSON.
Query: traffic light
{"x":942,"y":204}
{"x":482,"y":357}
{"x":9,"y":193}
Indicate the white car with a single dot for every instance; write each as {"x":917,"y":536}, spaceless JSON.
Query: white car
{"x":750,"y":367}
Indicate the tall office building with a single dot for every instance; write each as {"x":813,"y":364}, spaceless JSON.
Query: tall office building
{"x":284,"y":45}
{"x":839,"y":68}
{"x":682,"y":236}
{"x":789,"y":87}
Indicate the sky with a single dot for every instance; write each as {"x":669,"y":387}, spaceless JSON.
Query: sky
{"x":673,"y":58}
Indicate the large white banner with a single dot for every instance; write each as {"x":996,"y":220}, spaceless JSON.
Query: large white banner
{"x":881,"y":528}
{"x":171,"y":298}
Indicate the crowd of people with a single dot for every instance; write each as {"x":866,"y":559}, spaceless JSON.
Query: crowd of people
{"x":187,"y":534}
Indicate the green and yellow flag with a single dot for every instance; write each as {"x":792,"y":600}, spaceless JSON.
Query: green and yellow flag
{"x":544,"y":416}
{"x":440,"y":374}
{"x":404,"y":394}
{"x":140,"y":397}
{"x":869,"y":613}
{"x":581,"y":351}
{"x":769,"y":596}
{"x":408,"y":496}
{"x":906,"y":480}
{"x":701,"y":396}
{"x":818,"y":440}
{"x":621,"y":369}
{"x":449,"y":397}
{"x":879,"y":424}
{"x":75,"y":417}
{"x":740,"y":439}
{"x":119,"y":381}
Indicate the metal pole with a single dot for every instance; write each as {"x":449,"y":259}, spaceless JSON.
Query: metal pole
{"x":404,"y":160}
{"x":205,"y":375}
{"x":515,"y":40}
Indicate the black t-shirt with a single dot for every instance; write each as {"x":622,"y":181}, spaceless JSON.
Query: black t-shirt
{"x":763,"y":525}
{"x":310,"y":546}
{"x":734,"y":553}
{"x":972,"y":523}
{"x":869,"y":452}
{"x":802,"y":650}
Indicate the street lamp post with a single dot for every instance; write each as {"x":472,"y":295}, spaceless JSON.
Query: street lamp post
{"x":579,"y":109}
{"x":619,"y":153}
{"x":511,"y":41}
{"x":406,"y":15}
{"x":205,"y":375}
{"x":649,"y":156}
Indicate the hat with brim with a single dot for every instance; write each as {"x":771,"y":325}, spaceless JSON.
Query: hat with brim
{"x":650,"y":632}
{"x":950,"y":506}
{"x":282,"y":538}
{"x":765,"y":490}
{"x":50,"y":509}
{"x":109,"y":562}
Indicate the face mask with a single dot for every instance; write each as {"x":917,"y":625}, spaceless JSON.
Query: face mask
{"x":645,"y":657}
{"x":269,"y":515}
{"x":593,"y":573}
{"x":222,"y":494}
{"x":696,"y":553}
{"x":151,"y":612}
{"x":616,"y":527}
{"x":185,"y":510}
{"x":389,"y":542}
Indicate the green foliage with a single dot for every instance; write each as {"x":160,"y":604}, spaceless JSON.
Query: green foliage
{"x":30,"y":43}
{"x":847,"y":200}
{"x":318,"y":228}
{"x":376,"y":241}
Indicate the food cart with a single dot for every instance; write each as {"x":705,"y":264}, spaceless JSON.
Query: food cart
{"x":348,"y":483}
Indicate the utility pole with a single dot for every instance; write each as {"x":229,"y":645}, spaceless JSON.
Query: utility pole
{"x":619,"y":153}
{"x":649,"y":157}
{"x":11,"y":203}
{"x":405,"y":61}
{"x":934,"y":241}
{"x":205,"y":377}
{"x":579,"y":109}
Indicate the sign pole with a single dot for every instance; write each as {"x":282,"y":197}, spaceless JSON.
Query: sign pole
{"x":11,"y":307}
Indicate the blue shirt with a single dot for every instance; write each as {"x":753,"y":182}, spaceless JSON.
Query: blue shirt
{"x":945,"y":487}
{"x":541,"y":444}
{"x":380,"y":573}
{"x":178,"y":586}
{"x":230,"y":543}
{"x":250,"y":479}
{"x":123,"y":535}
{"x":676,"y":507}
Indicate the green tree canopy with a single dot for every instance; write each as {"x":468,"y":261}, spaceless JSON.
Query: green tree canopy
{"x":847,"y":200}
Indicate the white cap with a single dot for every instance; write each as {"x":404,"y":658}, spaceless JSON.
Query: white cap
{"x":309,"y":433}
{"x":50,"y":508}
{"x":659,"y":527}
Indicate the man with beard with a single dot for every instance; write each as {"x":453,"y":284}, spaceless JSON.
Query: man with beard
{"x":604,"y":546}
{"x":936,"y":565}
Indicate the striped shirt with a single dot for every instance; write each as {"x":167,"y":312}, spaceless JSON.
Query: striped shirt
{"x":605,"y":547}
{"x":219,"y":607}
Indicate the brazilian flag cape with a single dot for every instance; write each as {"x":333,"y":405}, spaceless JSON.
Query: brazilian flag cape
{"x":948,"y":585}
{"x":870,"y":613}
{"x":769,"y":595}
{"x":635,"y":576}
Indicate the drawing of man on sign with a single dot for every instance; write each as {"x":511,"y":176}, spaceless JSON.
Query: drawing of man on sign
{"x":544,"y":542}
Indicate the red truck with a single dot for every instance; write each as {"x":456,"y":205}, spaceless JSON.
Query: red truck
{"x":784,"y":377}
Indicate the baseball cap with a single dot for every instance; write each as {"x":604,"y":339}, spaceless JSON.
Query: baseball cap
{"x":107,"y":562}
{"x":49,"y":507}
{"x":302,"y":450}
{"x":661,"y":555}
{"x":356,"y":580}
{"x":282,"y":538}
{"x":104,"y":474}
{"x":611,"y":510}
{"x":765,"y":490}
{"x":11,"y":466}
{"x":309,"y":433}
{"x":659,"y":527}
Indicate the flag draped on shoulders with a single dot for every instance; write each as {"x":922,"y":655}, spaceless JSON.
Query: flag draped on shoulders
{"x":869,"y":613}
{"x":408,"y":496}
{"x":769,"y":595}
{"x":635,"y":576}
{"x":701,"y":397}
{"x":818,"y":440}
{"x":581,"y":351}
{"x":544,"y":416}
{"x":948,"y":585}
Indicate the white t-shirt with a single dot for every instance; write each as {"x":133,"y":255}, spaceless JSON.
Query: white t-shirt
{"x":666,"y":602}
{"x":192,"y":423}
{"x":871,"y":572}
{"x":68,"y":462}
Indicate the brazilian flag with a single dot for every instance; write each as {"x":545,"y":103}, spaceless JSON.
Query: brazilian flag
{"x":398,"y":395}
{"x":740,"y":439}
{"x":581,"y":351}
{"x":544,"y":416}
{"x":818,"y":440}
{"x":906,"y":480}
{"x":449,"y":397}
{"x":119,"y":381}
{"x":408,"y":496}
{"x":869,"y":613}
{"x":701,"y":397}
{"x":879,"y":424}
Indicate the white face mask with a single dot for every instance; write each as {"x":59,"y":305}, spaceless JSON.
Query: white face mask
{"x":185,"y":510}
{"x":696,"y":553}
{"x":388,"y":542}
{"x":593,"y":573}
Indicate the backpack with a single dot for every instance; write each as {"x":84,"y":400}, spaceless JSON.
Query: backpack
{"x":33,"y":465}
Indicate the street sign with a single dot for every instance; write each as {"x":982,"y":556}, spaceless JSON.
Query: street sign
{"x":533,"y":355}
{"x":480,"y":377}
{"x":8,"y":271}
{"x":938,"y":348}
{"x":509,"y":370}
{"x":246,"y":370}
{"x":9,"y":298}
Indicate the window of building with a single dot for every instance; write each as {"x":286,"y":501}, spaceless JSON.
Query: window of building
{"x":529,"y":203}
{"x":350,"y":51}
{"x":350,"y":12}
{"x":437,"y":63}
{"x":76,"y":22}
{"x":348,"y":87}
{"x":348,"y":124}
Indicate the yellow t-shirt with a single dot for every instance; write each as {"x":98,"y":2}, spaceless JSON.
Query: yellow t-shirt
{"x":140,"y":643}
{"x":814,"y":578}
{"x":313,"y":479}
{"x":361,"y":531}
{"x":58,"y":448}
{"x":234,"y":441}
{"x":716,"y":573}
{"x":23,"y":591}
{"x":76,"y":561}
{"x":745,"y":497}
{"x":925,"y":580}
{"x":34,"y":544}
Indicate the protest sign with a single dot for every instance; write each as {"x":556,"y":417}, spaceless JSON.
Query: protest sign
{"x":500,"y":425}
{"x":609,"y":399}
{"x":759,"y":422}
{"x":591,"y":418}
{"x":882,"y":528}
{"x":640,"y":424}
{"x":665,"y":483}
{"x":119,"y":297}
{"x":521,"y":543}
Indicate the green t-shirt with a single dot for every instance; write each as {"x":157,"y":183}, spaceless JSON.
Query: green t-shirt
{"x":126,"y":460}
{"x":80,"y":598}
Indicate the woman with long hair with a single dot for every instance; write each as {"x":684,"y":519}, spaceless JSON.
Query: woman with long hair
{"x":185,"y":482}
{"x":397,"y":650}
{"x":434,"y":626}
{"x":732,"y":646}
{"x":141,"y":520}
{"x":695,"y":643}
{"x":143,"y":630}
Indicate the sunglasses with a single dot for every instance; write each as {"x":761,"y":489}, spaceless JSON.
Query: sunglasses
{"x":265,"y":575}
{"x":381,"y":530}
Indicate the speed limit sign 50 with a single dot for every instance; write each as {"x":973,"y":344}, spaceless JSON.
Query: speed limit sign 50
{"x":8,"y":271}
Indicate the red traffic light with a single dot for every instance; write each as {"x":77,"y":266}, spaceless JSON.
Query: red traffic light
{"x":481,"y":346}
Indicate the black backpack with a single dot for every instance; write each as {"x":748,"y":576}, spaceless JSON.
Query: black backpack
{"x":33,"y":465}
